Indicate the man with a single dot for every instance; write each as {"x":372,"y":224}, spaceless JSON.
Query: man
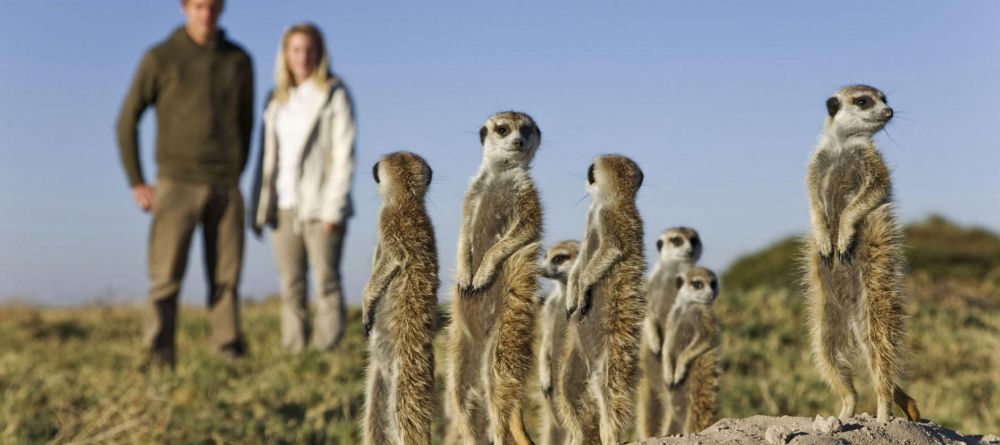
{"x":201,"y":85}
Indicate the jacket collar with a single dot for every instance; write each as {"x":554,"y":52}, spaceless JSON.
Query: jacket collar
{"x":181,"y":36}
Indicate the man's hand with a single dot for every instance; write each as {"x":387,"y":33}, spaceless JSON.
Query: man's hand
{"x":330,"y":227}
{"x":143,"y":196}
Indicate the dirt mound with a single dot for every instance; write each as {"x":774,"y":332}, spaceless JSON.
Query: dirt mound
{"x":860,"y":430}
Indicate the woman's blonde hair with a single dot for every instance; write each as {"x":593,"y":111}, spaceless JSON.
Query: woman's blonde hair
{"x":283,"y":80}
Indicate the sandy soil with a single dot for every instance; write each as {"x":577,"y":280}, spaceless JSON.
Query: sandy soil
{"x":860,"y":430}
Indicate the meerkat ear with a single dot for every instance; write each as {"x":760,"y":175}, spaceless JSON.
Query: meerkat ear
{"x":375,"y":172}
{"x":679,"y":282}
{"x":430,"y":174}
{"x":482,"y":135}
{"x":641,"y":177}
{"x":659,"y":245}
{"x":832,"y":106}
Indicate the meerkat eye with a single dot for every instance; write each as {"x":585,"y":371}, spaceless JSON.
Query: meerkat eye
{"x":375,"y":173}
{"x":697,"y":284}
{"x":590,"y":174}
{"x":503,"y":130}
{"x":659,"y":245}
{"x":676,"y":241}
{"x":862,"y":102}
{"x":559,"y":259}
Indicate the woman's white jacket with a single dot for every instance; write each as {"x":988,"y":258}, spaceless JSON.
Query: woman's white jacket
{"x":323,"y":189}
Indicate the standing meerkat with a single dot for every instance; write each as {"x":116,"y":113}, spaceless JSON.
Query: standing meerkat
{"x":400,"y":307}
{"x":855,"y":257}
{"x":558,"y":261}
{"x":491,"y":334}
{"x":605,"y":292}
{"x":678,"y":249}
{"x":691,"y":353}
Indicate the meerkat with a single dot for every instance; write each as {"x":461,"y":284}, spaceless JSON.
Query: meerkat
{"x":678,"y":249}
{"x":491,"y":334}
{"x":854,"y":257}
{"x":400,"y":307}
{"x":691,"y":354}
{"x":605,"y":303}
{"x":558,"y":261}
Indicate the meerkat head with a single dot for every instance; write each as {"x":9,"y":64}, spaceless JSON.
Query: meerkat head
{"x":559,"y":260}
{"x":857,"y":109}
{"x":402,"y":174}
{"x":697,"y":285}
{"x":613,"y":177}
{"x":679,"y":245}
{"x":510,"y":138}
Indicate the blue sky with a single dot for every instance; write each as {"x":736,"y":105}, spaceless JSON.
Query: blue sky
{"x":719,"y":102}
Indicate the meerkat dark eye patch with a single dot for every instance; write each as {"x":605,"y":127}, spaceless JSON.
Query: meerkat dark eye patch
{"x":590,"y":175}
{"x":375,"y":172}
{"x":659,"y":245}
{"x":676,"y":241}
{"x":695,"y":241}
{"x":697,"y":284}
{"x":679,"y":282}
{"x":482,"y":134}
{"x":715,"y":286}
{"x":526,"y":130}
{"x":559,"y":259}
{"x":832,"y":106}
{"x":503,"y":130}
{"x":885,"y":100}
{"x":864,"y":102}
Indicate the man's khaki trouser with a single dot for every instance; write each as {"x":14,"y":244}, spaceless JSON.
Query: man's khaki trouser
{"x":295,"y":251}
{"x":178,"y":208}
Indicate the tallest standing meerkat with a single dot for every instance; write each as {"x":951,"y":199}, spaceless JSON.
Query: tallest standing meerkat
{"x":605,"y":290}
{"x":491,"y":334}
{"x":855,"y":257}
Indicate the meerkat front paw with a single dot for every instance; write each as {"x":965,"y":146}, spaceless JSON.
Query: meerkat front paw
{"x":845,"y":249}
{"x":824,"y":245}
{"x":368,"y":322}
{"x":668,"y":372}
{"x":585,"y":304}
{"x":679,"y":375}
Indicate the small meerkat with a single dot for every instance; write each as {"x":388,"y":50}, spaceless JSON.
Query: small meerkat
{"x":491,"y":334}
{"x":678,"y":248}
{"x":605,"y":292}
{"x":691,"y":354}
{"x":855,"y":257}
{"x":400,"y":307}
{"x":558,"y":261}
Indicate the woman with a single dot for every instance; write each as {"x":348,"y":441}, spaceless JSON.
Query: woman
{"x":303,"y":183}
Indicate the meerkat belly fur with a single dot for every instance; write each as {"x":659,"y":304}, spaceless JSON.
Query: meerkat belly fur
{"x":691,"y":354}
{"x":491,"y":335}
{"x":605,"y":303}
{"x":552,"y":328}
{"x":855,"y":261}
{"x":678,"y":249}
{"x":399,"y":307}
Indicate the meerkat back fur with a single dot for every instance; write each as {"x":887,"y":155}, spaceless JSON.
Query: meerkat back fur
{"x":491,"y":335}
{"x":605,"y":303}
{"x":678,"y":249}
{"x":552,"y":326}
{"x":400,"y":307}
{"x":691,"y":353}
{"x":855,"y":261}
